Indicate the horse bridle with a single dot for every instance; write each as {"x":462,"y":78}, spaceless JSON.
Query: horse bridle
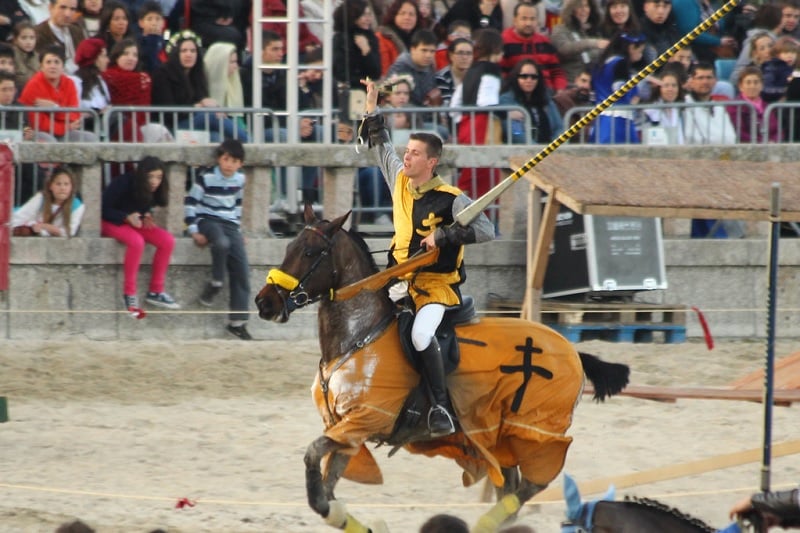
{"x":296,"y":294}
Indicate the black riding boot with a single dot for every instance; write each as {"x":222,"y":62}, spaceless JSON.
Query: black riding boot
{"x":439,"y":421}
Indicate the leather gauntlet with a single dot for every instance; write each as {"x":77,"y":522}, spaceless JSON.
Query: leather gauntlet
{"x":377,"y":133}
{"x":454,"y":235}
{"x":782,"y":504}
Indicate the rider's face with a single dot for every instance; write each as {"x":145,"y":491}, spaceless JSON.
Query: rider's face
{"x":416,"y":163}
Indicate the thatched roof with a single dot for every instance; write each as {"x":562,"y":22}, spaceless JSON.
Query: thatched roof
{"x":739,"y":190}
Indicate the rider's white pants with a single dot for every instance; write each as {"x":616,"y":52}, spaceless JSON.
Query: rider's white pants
{"x":425,"y":323}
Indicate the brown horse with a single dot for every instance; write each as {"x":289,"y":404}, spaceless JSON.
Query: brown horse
{"x":513,"y":392}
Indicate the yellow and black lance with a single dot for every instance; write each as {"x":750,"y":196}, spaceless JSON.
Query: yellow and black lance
{"x":470,"y":212}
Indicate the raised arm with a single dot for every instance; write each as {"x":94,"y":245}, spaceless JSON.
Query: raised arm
{"x":377,"y":134}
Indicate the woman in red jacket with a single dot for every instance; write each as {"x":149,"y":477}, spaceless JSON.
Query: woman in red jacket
{"x":51,"y":88}
{"x":129,"y":86}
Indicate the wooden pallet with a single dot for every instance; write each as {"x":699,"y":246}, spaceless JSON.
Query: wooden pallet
{"x":623,"y":313}
{"x":582,"y":312}
{"x":496,"y":305}
{"x":613,"y":332}
{"x":615,"y":322}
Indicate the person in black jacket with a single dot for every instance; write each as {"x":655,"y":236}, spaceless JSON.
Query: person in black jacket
{"x":480,"y":14}
{"x":151,"y":40}
{"x":127,"y":217}
{"x":221,"y":21}
{"x":181,"y":82}
{"x":356,"y":53}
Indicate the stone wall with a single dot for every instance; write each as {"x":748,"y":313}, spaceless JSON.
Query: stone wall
{"x":62,"y":288}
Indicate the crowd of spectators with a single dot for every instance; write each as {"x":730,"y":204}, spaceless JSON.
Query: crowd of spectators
{"x":376,"y":40}
{"x":98,"y":54}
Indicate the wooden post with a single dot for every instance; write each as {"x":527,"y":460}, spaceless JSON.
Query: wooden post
{"x":91,"y":178}
{"x":338,"y":186}
{"x":173,"y":214}
{"x":257,"y":200}
{"x":538,"y":260}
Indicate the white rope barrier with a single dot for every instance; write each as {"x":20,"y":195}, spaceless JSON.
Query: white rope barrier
{"x":303,"y":504}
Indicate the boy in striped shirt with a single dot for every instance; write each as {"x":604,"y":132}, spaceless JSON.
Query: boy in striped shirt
{"x":213,"y":213}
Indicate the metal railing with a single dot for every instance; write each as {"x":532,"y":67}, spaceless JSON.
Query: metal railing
{"x":291,"y":186}
{"x":439,"y":119}
{"x":188,"y":124}
{"x":25,"y":124}
{"x":372,"y":202}
{"x":786,"y":118}
{"x":698,"y":120}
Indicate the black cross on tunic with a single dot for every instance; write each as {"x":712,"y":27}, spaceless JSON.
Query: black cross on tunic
{"x":527,"y":368}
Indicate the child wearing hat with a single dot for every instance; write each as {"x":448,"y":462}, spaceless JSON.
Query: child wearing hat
{"x":612,"y":70}
{"x":92,"y":60}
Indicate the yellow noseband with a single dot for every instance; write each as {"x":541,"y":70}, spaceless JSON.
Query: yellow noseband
{"x":282,"y":279}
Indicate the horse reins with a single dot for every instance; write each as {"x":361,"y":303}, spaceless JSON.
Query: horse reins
{"x":297,"y":296}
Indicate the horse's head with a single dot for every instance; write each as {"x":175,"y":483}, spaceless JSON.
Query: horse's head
{"x":580,"y":514}
{"x":307,"y":273}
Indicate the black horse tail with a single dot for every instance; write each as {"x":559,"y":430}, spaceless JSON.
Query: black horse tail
{"x":608,"y":379}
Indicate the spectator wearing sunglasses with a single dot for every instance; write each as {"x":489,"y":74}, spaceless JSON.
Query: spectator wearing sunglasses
{"x":524,"y":87}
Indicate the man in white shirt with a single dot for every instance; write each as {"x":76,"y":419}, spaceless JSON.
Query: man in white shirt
{"x":709,"y":125}
{"x":706,"y":124}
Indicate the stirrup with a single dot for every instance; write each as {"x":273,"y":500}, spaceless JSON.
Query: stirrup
{"x":441,"y":432}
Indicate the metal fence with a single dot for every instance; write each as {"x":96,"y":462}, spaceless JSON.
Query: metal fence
{"x":715,"y":122}
{"x":292,"y":186}
{"x":785,"y":117}
{"x":44,"y":125}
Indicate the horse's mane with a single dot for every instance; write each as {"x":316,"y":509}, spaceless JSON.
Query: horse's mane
{"x":362,"y":244}
{"x":664,"y":508}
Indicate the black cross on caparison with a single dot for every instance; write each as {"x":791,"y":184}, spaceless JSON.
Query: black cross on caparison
{"x":528,"y":368}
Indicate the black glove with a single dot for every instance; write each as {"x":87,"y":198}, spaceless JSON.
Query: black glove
{"x":376,"y":130}
{"x":454,"y":235}
{"x":782,"y":504}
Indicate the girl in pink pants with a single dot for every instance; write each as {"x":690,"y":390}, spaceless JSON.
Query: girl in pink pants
{"x":127,"y":217}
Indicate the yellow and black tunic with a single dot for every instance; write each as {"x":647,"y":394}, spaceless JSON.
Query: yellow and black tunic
{"x":420,"y":211}
{"x":417,"y":214}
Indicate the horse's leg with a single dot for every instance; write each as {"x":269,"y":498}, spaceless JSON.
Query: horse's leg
{"x":337,"y":462}
{"x":315,"y":487}
{"x":319,"y":492}
{"x":507,"y":507}
{"x":511,"y":482}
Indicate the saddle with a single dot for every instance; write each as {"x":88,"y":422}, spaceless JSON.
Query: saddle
{"x":411,"y":423}
{"x":445,"y":333}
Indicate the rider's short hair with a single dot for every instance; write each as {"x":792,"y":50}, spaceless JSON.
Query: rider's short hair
{"x":431,"y":140}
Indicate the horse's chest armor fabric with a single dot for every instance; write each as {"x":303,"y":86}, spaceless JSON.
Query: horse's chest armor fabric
{"x":514,"y":392}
